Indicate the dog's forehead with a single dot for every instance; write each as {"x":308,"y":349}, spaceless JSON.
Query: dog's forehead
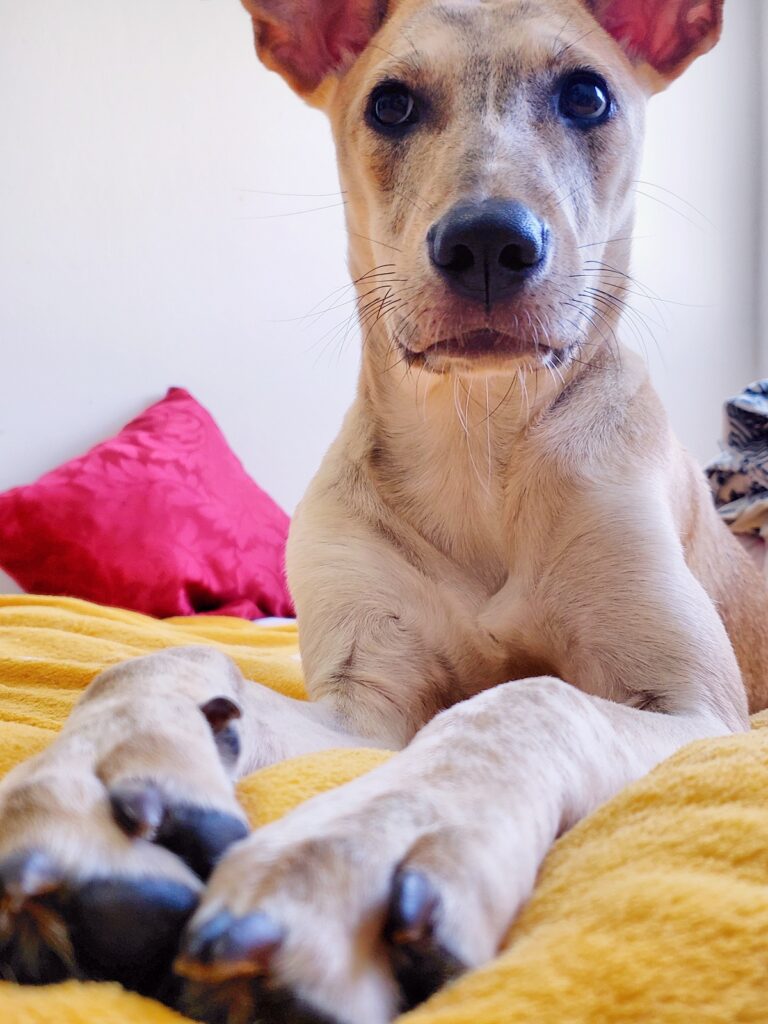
{"x":440,"y":35}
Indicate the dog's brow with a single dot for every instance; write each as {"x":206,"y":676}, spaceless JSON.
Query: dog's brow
{"x":457,"y":16}
{"x":401,"y":63}
{"x":407,"y":63}
{"x":454,"y":14}
{"x":574,"y":42}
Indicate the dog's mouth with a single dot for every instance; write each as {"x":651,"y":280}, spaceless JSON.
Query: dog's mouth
{"x":484,"y":345}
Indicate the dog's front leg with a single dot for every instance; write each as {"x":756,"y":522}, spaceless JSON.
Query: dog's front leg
{"x":367,"y":898}
{"x":107,"y":836}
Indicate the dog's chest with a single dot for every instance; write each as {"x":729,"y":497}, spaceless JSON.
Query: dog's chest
{"x":489,"y":582}
{"x":494,"y":636}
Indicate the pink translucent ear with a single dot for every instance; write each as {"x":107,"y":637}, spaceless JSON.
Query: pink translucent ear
{"x":307,"y":40}
{"x":665,"y":34}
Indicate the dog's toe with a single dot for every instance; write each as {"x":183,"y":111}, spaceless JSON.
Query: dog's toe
{"x":226,"y":947}
{"x":35,"y":946}
{"x":421,"y":961}
{"x":197,"y":835}
{"x":335,"y":926}
{"x":54,"y":926}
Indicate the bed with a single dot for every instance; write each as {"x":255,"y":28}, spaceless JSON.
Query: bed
{"x":655,"y":909}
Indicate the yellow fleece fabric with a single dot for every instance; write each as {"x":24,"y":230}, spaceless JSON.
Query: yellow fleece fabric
{"x":653,"y":911}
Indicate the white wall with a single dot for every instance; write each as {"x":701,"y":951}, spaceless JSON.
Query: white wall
{"x":130,"y":256}
{"x":704,"y":147}
{"x":136,"y":139}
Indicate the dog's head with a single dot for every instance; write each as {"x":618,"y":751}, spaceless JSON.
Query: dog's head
{"x":488,"y":150}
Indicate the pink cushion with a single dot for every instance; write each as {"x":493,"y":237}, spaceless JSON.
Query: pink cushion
{"x":161,"y":519}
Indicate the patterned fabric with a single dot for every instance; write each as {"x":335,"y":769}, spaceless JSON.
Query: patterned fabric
{"x":161,"y":519}
{"x":739,"y":476}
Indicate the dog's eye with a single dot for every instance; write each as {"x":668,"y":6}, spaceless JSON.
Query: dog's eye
{"x":393,"y":106}
{"x":585,"y":99}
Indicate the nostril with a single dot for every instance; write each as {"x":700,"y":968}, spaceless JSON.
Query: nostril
{"x":517,"y":258}
{"x":461,"y":259}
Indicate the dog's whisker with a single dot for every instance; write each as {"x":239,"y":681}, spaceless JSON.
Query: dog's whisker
{"x":524,"y":387}
{"x":403,"y":60}
{"x":613,"y":241}
{"x":464,"y":422}
{"x":333,"y":331}
{"x":292,"y":213}
{"x":559,"y":35}
{"x":293,"y":195}
{"x":631,"y":278}
{"x":311,"y":319}
{"x":620,"y":292}
{"x":506,"y":395}
{"x":571,"y":194}
{"x":385,"y":270}
{"x":625,"y":308}
{"x":489,"y":447}
{"x":675,"y":195}
{"x":422,"y":205}
{"x":609,"y":319}
{"x":574,"y":191}
{"x":374,"y":241}
{"x":588,"y":313}
{"x":669,"y":206}
{"x":574,"y":42}
{"x":340,"y":332}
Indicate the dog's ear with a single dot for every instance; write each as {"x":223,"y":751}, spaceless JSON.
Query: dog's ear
{"x":664,"y":35}
{"x":308,"y":40}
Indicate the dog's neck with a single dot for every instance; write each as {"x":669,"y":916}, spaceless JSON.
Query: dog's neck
{"x":447,"y":445}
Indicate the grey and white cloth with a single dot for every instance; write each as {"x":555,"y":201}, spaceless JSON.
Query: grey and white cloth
{"x":739,"y":475}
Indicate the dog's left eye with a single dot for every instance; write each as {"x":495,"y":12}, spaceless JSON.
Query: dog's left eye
{"x":585,"y":99}
{"x":393,"y":106}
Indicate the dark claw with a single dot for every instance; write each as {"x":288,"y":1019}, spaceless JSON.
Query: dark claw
{"x":413,"y":908}
{"x":229,"y":947}
{"x":127,"y":930}
{"x":138,"y":809}
{"x":421,"y":963}
{"x":244,"y":1001}
{"x":227,"y":964}
{"x":52,"y":928}
{"x":199,"y":835}
{"x":220,"y":711}
{"x":228,"y":745}
{"x":25,"y":876}
{"x":35,"y":948}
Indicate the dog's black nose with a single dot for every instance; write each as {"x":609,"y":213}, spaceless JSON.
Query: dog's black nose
{"x":487,"y":250}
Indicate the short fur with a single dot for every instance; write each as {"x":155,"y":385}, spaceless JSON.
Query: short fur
{"x":507,"y":568}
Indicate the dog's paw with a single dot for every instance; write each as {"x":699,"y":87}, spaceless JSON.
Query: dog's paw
{"x":354,"y":908}
{"x":106,"y":839}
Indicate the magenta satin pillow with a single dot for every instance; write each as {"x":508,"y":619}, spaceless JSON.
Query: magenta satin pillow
{"x":161,"y":519}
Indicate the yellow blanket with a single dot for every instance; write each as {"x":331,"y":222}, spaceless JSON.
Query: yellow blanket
{"x":655,"y":910}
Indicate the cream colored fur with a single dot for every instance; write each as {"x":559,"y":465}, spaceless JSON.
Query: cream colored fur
{"x":509,"y":569}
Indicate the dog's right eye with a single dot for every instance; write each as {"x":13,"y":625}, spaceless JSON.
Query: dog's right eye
{"x":392,"y":107}
{"x":585,"y":99}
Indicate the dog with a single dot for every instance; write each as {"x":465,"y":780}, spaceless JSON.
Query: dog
{"x":507,"y":568}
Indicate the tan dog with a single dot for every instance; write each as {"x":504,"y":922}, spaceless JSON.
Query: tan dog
{"x":505,"y":502}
